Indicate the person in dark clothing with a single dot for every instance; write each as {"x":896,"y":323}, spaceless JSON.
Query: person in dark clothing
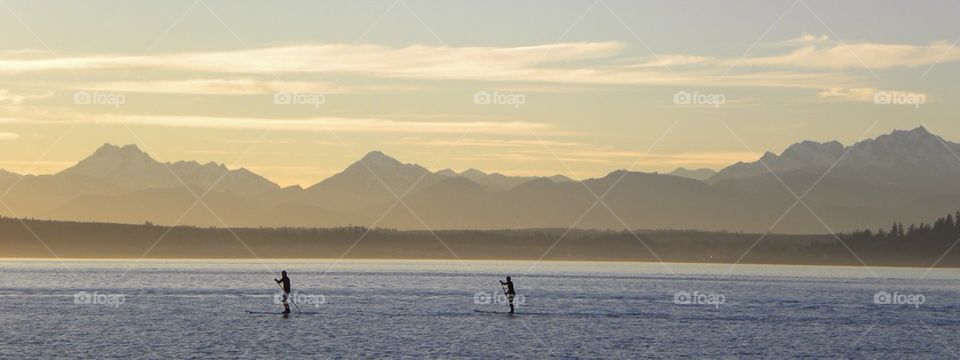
{"x":511,"y":293}
{"x":284,"y":282}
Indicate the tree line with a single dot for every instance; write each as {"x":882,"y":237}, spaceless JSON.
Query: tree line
{"x":900,"y":245}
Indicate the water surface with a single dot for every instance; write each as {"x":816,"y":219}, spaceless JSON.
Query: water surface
{"x":417,"y":309}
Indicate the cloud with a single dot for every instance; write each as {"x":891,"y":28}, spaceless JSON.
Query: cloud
{"x":412,"y":61}
{"x":821,"y":53}
{"x":335,"y":124}
{"x":210,"y":86}
{"x":588,"y":63}
{"x":806,"y":55}
{"x":44,"y":115}
{"x":844,"y":94}
{"x":246,"y":86}
{"x":804,"y":39}
{"x":807,"y":61}
{"x":8,"y":97}
{"x":865,"y":94}
{"x":837,"y":56}
{"x":671,"y":60}
{"x":9,"y":136}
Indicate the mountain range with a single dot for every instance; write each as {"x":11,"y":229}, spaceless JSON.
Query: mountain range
{"x":906,"y":176}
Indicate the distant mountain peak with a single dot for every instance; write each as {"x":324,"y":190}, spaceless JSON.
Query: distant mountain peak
{"x":910,"y":151}
{"x":916,"y":134}
{"x":110,"y":157}
{"x":917,"y":130}
{"x":496,"y":181}
{"x":218,"y":166}
{"x":471,"y":172}
{"x":768,"y":155}
{"x":698,"y":174}
{"x":560,"y":178}
{"x":130,"y":168}
{"x":122,"y":165}
{"x":808,"y":144}
{"x":448,"y":172}
{"x":377,"y":156}
{"x":820,"y":154}
{"x":127,"y":151}
{"x":618,"y":172}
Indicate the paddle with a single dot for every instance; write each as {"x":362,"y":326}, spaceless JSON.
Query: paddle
{"x":290,"y":298}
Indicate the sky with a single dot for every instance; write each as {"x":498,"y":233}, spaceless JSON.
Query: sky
{"x":296,"y":91}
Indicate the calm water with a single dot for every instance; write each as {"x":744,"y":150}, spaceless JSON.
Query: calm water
{"x":428,"y":309}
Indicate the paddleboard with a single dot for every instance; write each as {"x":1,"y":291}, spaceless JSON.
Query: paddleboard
{"x":280,"y":313}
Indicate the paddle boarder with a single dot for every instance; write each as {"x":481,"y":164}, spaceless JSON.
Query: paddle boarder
{"x":511,"y":293}
{"x":284,"y":283}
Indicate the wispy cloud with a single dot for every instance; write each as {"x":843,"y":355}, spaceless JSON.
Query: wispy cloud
{"x":814,"y":62}
{"x":338,"y":124}
{"x":812,"y":52}
{"x":875,"y":56}
{"x":862,"y":94}
{"x":417,"y":61}
{"x":807,"y":61}
{"x":37,"y":115}
{"x":9,"y":136}
{"x":247,"y":86}
{"x":845,"y":94}
{"x":9,"y":97}
{"x":805,"y":39}
{"x":211,"y":86}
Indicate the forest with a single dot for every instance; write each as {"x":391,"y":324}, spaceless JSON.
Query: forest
{"x":921,"y":244}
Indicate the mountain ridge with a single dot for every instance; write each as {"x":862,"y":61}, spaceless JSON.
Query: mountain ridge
{"x":905,"y":175}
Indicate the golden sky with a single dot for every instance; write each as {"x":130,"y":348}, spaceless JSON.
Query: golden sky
{"x":297,"y":91}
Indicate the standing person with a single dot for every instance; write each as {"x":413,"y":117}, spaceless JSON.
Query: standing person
{"x":284,"y":282}
{"x":511,"y":293}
